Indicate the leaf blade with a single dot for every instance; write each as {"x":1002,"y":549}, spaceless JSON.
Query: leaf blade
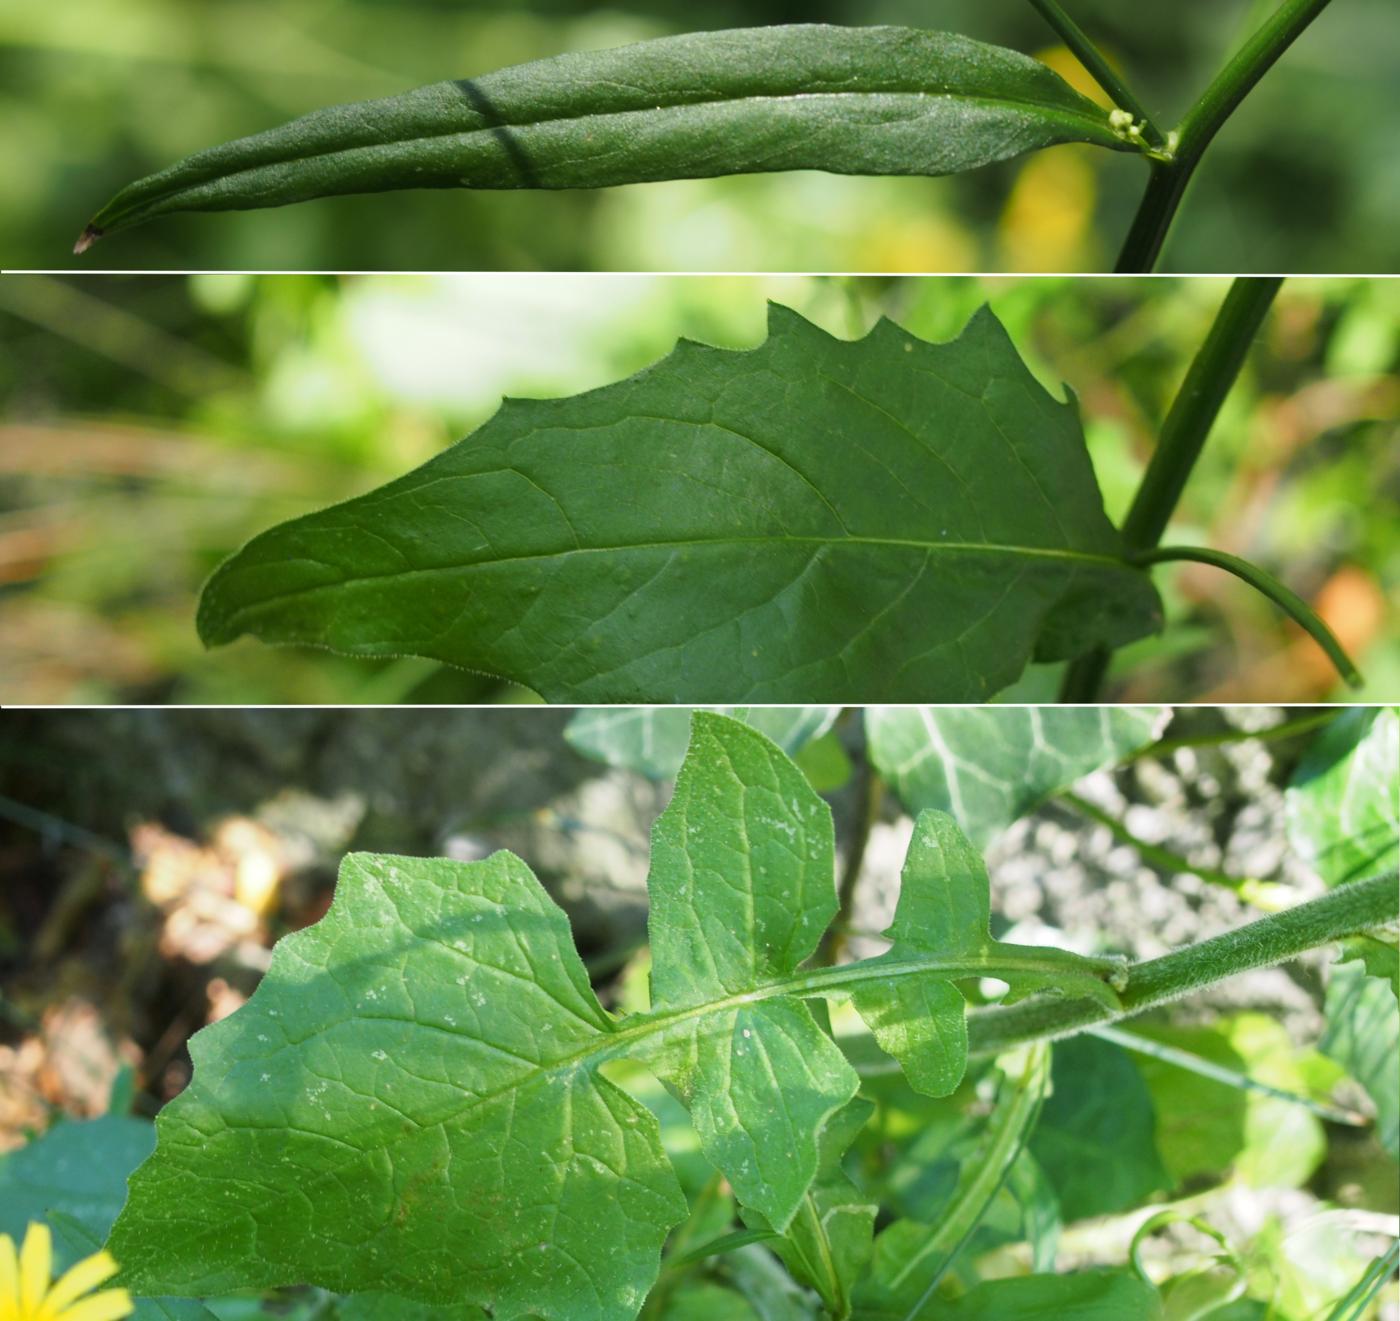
{"x":387,"y":1127}
{"x":877,"y":100}
{"x":810,"y":520}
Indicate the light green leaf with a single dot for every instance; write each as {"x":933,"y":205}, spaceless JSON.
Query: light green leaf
{"x":741,"y":886}
{"x":1343,"y":804}
{"x":990,"y":767}
{"x":811,"y":520}
{"x":1363,"y":1036}
{"x":828,"y":1244}
{"x":406,"y":1105}
{"x":652,"y":740}
{"x":411,"y":1102}
{"x":874,"y":100}
{"x":1096,"y":1140}
{"x":911,"y":1257}
{"x":1378,"y":954}
{"x":1096,"y":1295}
{"x":943,"y":908}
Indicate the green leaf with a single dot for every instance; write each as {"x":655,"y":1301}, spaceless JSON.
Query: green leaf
{"x":1363,"y":1036}
{"x":385,"y":1307}
{"x":911,"y":1257}
{"x":1343,"y":804}
{"x":1378,"y":954}
{"x":411,"y":1101}
{"x":990,"y":767}
{"x":406,"y":1105}
{"x":875,"y":100}
{"x":943,"y":908}
{"x":1096,"y":1140}
{"x":828,"y":1244}
{"x":811,"y":520}
{"x":74,"y":1178}
{"x":1096,"y":1295}
{"x":651,"y":740}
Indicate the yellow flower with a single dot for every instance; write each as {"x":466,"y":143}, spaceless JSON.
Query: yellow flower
{"x":28,"y":1294}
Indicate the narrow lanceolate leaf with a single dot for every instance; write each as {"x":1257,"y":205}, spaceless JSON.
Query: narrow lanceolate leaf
{"x":1343,"y":804}
{"x":812,"y":520}
{"x":877,"y":100}
{"x":988,"y":768}
{"x":411,"y":1104}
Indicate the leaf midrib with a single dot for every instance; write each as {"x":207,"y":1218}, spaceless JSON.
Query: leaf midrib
{"x":834,"y":542}
{"x":993,"y":961}
{"x":1053,"y":110}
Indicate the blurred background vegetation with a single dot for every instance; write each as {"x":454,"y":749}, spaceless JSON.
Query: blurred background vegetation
{"x":149,"y":426}
{"x":95,"y":93}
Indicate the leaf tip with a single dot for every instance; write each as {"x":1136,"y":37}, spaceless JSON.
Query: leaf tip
{"x":86,"y":239}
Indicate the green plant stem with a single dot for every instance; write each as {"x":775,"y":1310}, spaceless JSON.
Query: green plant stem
{"x":1346,"y":911}
{"x":985,"y":1170}
{"x":1103,"y":73}
{"x":1358,"y":1299}
{"x":1169,"y":178}
{"x":1153,"y":853}
{"x":872,"y":798}
{"x":1288,"y":729}
{"x":1189,"y":421}
{"x":1288,"y":601}
{"x":1184,"y":1059}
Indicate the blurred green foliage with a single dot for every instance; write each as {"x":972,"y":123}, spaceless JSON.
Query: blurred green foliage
{"x":151,"y":425}
{"x":95,"y":93}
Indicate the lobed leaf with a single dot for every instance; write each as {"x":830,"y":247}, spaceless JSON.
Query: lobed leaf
{"x":874,"y":100}
{"x":411,"y":1102}
{"x":812,"y":519}
{"x":988,"y":768}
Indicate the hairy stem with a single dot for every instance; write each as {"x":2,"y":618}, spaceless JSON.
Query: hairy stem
{"x":1217,"y":103}
{"x":1288,"y":601}
{"x":1347,"y":911}
{"x":1103,"y":73}
{"x":1188,"y":424}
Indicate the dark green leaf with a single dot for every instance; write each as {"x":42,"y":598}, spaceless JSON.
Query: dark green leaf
{"x":876,"y":100}
{"x":812,"y":520}
{"x":1096,"y":1140}
{"x":989,"y":767}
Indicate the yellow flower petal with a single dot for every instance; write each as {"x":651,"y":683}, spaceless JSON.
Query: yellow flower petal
{"x":9,"y":1279}
{"x":80,"y":1279}
{"x":35,"y":1267}
{"x":109,"y":1305}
